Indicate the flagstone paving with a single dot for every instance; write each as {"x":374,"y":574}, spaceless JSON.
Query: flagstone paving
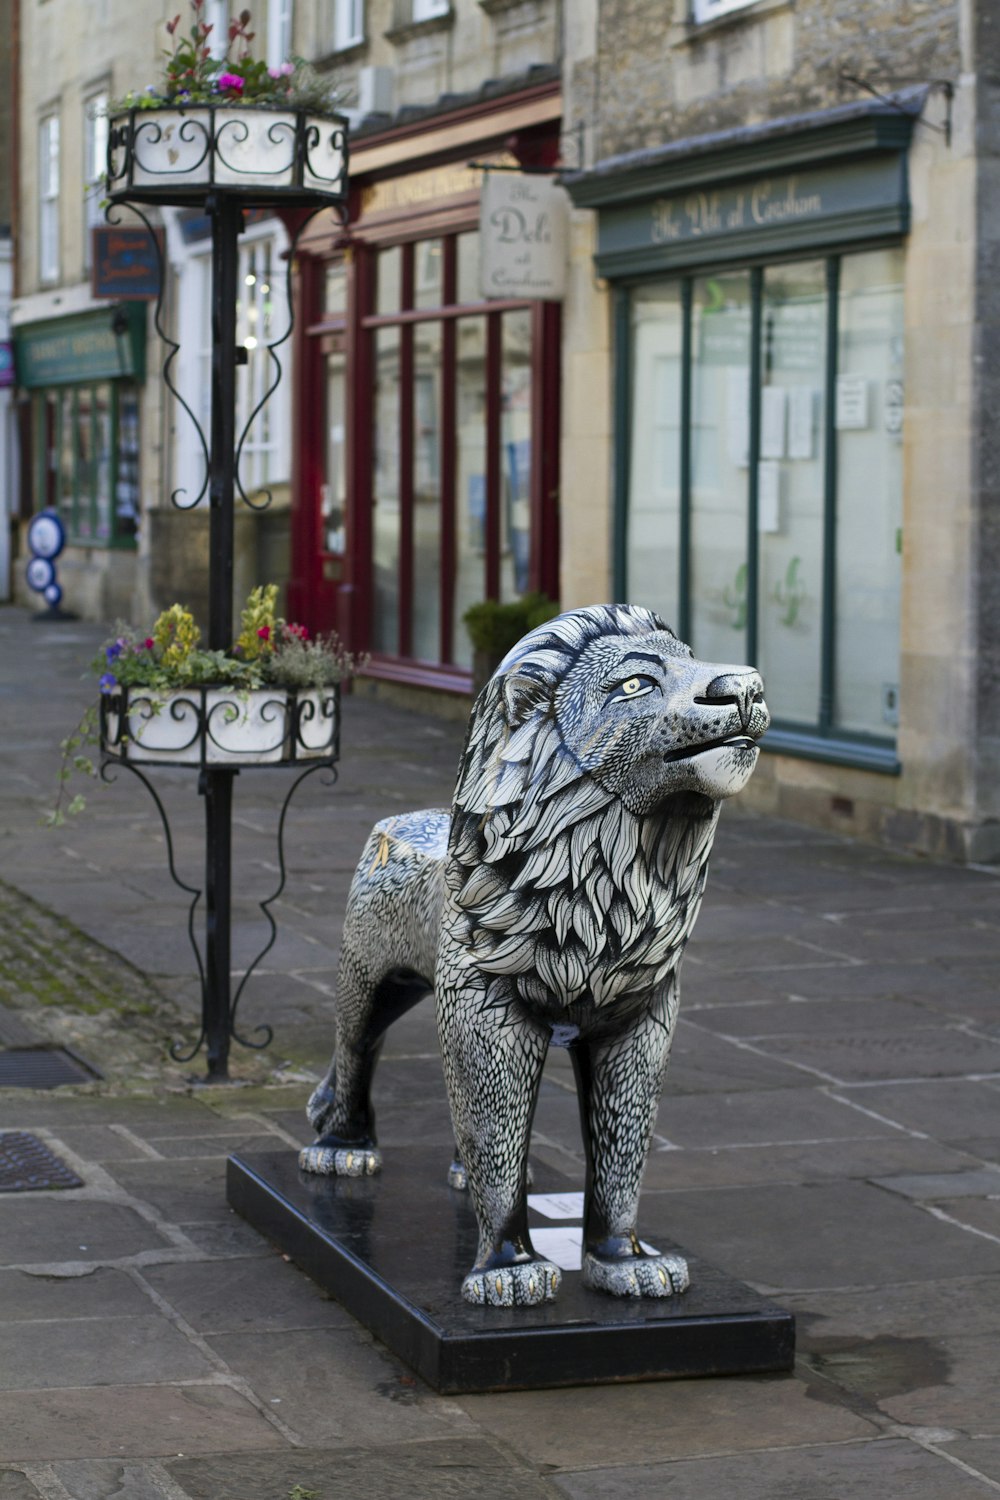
{"x":830,"y":1132}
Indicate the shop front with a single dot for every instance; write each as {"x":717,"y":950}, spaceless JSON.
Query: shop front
{"x":82,"y":378}
{"x":425,"y":447}
{"x":758,"y":294}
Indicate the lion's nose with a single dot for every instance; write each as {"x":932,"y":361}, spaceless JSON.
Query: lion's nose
{"x":742,"y":689}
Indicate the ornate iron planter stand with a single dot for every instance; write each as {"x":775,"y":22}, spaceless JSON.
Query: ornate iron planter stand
{"x":224,"y":160}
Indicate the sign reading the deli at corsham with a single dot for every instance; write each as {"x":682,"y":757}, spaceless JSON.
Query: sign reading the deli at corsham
{"x":523,"y":228}
{"x":774,"y":212}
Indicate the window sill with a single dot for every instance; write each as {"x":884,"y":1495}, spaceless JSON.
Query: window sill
{"x":686,"y":31}
{"x":408,"y":31}
{"x":340,"y":56}
{"x":497,"y":7}
{"x":863,"y":754}
{"x":419,"y":674}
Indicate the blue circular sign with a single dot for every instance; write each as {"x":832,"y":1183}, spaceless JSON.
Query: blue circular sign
{"x":40,"y":574}
{"x":46,"y":534}
{"x":53,"y":595}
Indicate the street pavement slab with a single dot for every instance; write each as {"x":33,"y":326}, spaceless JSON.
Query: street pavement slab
{"x":830,"y":1131}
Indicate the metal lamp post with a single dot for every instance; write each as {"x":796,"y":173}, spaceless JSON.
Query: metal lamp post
{"x":224,"y":160}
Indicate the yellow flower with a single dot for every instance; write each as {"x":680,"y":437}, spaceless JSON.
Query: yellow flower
{"x":176,"y":634}
{"x":257,"y":636}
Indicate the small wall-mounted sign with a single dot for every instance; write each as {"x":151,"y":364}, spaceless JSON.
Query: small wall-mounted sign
{"x":6,"y":362}
{"x":126,"y":263}
{"x":523,"y":236}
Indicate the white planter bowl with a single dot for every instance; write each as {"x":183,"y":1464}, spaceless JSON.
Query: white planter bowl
{"x":214,"y":726}
{"x":175,"y":154}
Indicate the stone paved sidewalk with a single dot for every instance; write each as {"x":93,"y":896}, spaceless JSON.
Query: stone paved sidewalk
{"x":830,"y":1133}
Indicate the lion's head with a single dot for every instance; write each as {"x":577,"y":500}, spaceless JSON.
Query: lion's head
{"x":609,"y":693}
{"x":578,"y":852}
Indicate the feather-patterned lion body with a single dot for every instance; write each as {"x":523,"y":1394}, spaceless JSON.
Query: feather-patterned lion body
{"x":553,"y":903}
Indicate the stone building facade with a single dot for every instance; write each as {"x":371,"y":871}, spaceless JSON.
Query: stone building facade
{"x":780,"y":366}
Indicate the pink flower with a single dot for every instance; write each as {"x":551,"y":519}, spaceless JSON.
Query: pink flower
{"x":265,"y":632}
{"x":149,"y":643}
{"x":230,"y":82}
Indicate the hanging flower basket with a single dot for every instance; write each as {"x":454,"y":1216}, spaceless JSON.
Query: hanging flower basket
{"x":217,"y":726}
{"x":270,"y":155}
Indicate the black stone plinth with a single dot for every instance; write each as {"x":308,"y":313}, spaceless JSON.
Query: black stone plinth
{"x":393,"y":1250}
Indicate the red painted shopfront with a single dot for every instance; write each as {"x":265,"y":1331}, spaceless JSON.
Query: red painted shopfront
{"x":425,"y":419}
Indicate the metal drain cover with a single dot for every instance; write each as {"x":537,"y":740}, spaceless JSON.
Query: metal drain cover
{"x":42,"y":1068}
{"x":27,"y":1165}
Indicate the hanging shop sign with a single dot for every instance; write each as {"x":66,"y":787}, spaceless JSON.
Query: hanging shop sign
{"x":125,"y":262}
{"x":106,"y":345}
{"x":523,"y":236}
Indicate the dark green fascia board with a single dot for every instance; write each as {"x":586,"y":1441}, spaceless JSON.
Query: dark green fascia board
{"x":837,"y":230}
{"x":748,"y":151}
{"x":861,"y":754}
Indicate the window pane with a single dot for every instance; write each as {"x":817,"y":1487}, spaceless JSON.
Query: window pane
{"x":515,"y":454}
{"x":427,"y":273}
{"x":335,"y":291}
{"x":388,"y":270}
{"x":467,"y":257}
{"x":790,"y":488}
{"x":720,"y":439}
{"x":67,"y":466}
{"x":470,"y":484}
{"x":255,"y":329}
{"x":869,"y":420}
{"x":101,"y":465}
{"x":427,"y":491}
{"x":385,"y":494}
{"x":654,"y":475}
{"x":127,"y":476}
{"x":334,"y":500}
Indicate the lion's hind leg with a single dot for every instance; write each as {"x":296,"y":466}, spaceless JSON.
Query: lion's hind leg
{"x":340,"y":1108}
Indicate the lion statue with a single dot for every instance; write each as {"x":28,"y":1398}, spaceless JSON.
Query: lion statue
{"x":552,"y":905}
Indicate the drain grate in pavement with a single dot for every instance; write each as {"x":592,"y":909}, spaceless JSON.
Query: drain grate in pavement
{"x":27,"y":1165}
{"x":42,"y":1068}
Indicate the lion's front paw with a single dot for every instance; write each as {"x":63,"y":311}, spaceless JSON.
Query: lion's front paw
{"x":636,"y":1275}
{"x":341,"y":1161}
{"x":523,"y":1285}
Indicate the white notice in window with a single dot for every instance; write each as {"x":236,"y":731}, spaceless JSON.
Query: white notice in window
{"x":852,"y":402}
{"x":772,"y":422}
{"x":801,"y":421}
{"x":768,"y":496}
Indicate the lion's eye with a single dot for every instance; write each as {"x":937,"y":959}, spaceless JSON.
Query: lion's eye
{"x":634,"y":687}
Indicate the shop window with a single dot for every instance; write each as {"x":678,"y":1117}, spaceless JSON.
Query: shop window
{"x":95,"y":151}
{"x":87,"y":441}
{"x":460,"y":484}
{"x":348,"y":24}
{"x":48,"y":199}
{"x":764,"y":485}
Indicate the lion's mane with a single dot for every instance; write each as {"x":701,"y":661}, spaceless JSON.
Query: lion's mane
{"x":561,"y":888}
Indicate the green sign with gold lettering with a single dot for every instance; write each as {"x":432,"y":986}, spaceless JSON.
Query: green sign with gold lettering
{"x":763,"y":215}
{"x":106,"y":345}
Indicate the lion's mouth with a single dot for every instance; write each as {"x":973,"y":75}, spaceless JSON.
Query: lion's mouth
{"x":727,"y":742}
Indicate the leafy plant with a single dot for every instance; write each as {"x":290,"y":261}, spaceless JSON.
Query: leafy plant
{"x":494,"y":627}
{"x":192,"y":74}
{"x":269,"y":652}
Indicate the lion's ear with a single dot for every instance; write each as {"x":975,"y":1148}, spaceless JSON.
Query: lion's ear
{"x":523,"y":693}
